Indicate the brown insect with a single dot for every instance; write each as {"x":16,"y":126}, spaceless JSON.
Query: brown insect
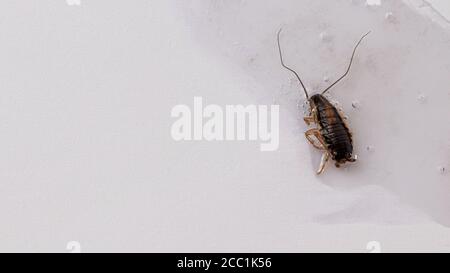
{"x":332,"y":133}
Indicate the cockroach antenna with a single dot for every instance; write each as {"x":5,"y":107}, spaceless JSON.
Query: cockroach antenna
{"x":350,"y":64}
{"x":288,"y":68}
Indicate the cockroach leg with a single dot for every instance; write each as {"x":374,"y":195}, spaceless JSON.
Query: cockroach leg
{"x":320,"y":138}
{"x":323,"y":162}
{"x":311,"y":118}
{"x":308,"y":120}
{"x":315,"y":132}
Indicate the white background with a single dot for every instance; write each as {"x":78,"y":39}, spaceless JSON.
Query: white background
{"x":87,"y":156}
{"x":442,"y":6}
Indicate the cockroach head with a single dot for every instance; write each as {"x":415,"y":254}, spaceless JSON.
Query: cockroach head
{"x":317,"y":99}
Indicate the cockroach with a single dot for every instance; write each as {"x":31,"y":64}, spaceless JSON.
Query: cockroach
{"x":332,"y":132}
